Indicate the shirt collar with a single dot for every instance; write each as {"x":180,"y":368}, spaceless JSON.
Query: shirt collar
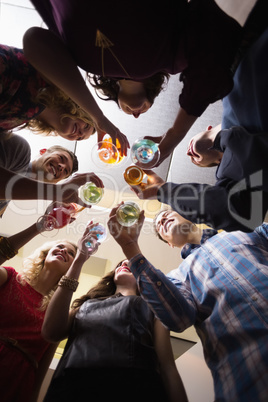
{"x":188,"y":248}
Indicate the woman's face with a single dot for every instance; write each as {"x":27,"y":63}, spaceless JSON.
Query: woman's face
{"x":61,"y":256}
{"x":73,"y":130}
{"x":123,"y":275}
{"x":132,"y":98}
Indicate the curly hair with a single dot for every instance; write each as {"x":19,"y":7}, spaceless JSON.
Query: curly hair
{"x":33,"y":265}
{"x":109,"y":87}
{"x":53,"y":98}
{"x":105,"y":288}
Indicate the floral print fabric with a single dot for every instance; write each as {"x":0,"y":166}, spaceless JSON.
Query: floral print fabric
{"x":19,"y":86}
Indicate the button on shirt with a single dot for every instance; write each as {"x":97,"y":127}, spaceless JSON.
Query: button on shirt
{"x":222,"y":289}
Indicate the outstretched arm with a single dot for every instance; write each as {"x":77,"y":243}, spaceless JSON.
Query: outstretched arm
{"x":175,"y":134}
{"x":48,"y":54}
{"x":168,"y":370}
{"x":14,"y":186}
{"x":163,"y":295}
{"x":58,"y":318}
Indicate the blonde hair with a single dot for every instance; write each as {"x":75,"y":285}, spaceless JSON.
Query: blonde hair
{"x":53,"y":98}
{"x":33,"y":265}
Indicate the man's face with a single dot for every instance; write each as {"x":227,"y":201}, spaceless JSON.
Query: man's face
{"x":199,"y":148}
{"x":173,"y":228}
{"x":55,"y":166}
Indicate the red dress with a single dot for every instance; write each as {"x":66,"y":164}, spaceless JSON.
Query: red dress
{"x":20,"y":319}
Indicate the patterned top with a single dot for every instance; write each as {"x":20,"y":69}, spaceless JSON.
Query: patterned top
{"x":222,"y":289}
{"x":19,"y":85}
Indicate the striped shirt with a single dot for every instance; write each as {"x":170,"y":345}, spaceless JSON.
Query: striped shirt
{"x":222,"y":289}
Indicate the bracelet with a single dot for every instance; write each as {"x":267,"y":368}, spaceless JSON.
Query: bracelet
{"x":69,"y":283}
{"x":6,"y":250}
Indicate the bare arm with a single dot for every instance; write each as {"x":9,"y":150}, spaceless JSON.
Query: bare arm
{"x":43,"y":367}
{"x":59,"y":318}
{"x":48,"y":54}
{"x":168,"y":369}
{"x":20,"y":239}
{"x":14,"y":186}
{"x":175,"y":134}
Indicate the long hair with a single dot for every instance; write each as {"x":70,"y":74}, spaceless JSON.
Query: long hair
{"x":53,"y":98}
{"x":33,"y":265}
{"x":105,"y":288}
{"x":109,"y":87}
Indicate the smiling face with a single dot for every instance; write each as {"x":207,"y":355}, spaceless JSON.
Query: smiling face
{"x":173,"y":228}
{"x":124,"y":277}
{"x":74,"y":129}
{"x":60,"y":257}
{"x":53,"y":166}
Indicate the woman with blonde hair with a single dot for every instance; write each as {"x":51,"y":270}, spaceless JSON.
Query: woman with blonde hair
{"x":115,"y":343}
{"x":29,"y":100}
{"x":24,"y":354}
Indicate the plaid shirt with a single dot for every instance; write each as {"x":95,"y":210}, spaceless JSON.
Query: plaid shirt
{"x":222,"y":289}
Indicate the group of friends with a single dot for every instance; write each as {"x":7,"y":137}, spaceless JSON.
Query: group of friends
{"x":118,"y":333}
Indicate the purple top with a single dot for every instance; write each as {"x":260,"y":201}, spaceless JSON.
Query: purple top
{"x":196,"y":38}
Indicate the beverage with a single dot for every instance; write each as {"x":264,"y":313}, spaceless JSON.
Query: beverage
{"x":145,"y":153}
{"x":90,"y":193}
{"x":133,"y":175}
{"x":105,"y":153}
{"x":92,"y":245}
{"x":128,"y":213}
{"x":60,"y":216}
{"x":101,"y":236}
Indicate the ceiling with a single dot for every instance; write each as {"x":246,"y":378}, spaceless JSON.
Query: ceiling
{"x":15,"y":17}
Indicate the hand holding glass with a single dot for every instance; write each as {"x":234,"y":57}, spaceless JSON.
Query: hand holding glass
{"x":90,"y":193}
{"x":59,"y":216}
{"x":128,"y":213}
{"x":145,"y":153}
{"x":100,"y":233}
{"x":105,"y":153}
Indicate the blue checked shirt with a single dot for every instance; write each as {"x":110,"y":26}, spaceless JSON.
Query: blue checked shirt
{"x":222,"y":289}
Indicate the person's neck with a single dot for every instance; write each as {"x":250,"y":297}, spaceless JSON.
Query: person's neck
{"x":47,"y":280}
{"x":130,"y":86}
{"x":49,"y":116}
{"x":126,"y":291}
{"x":195,"y":235}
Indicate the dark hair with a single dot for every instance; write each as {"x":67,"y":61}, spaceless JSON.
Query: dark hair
{"x":109,"y":88}
{"x":55,"y":148}
{"x":104,"y":289}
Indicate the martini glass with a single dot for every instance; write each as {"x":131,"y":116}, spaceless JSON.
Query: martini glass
{"x":58,"y":217}
{"x":92,"y":245}
{"x":93,"y":242}
{"x":145,"y":153}
{"x":90,"y":193}
{"x":106,"y":154}
{"x":128,"y":213}
{"x":102,"y":232}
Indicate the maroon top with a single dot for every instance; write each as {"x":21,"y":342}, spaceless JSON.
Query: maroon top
{"x":21,"y":320}
{"x":195,"y":38}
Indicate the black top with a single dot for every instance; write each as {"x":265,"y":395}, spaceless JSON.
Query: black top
{"x":115,"y":332}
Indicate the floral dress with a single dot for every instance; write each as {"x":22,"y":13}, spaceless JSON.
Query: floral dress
{"x":19,"y":86}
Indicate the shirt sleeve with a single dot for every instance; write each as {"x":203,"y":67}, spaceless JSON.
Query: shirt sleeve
{"x":247,"y":152}
{"x":170,"y":299}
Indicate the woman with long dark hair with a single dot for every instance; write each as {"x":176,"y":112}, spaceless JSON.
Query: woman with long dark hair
{"x":115,"y":344}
